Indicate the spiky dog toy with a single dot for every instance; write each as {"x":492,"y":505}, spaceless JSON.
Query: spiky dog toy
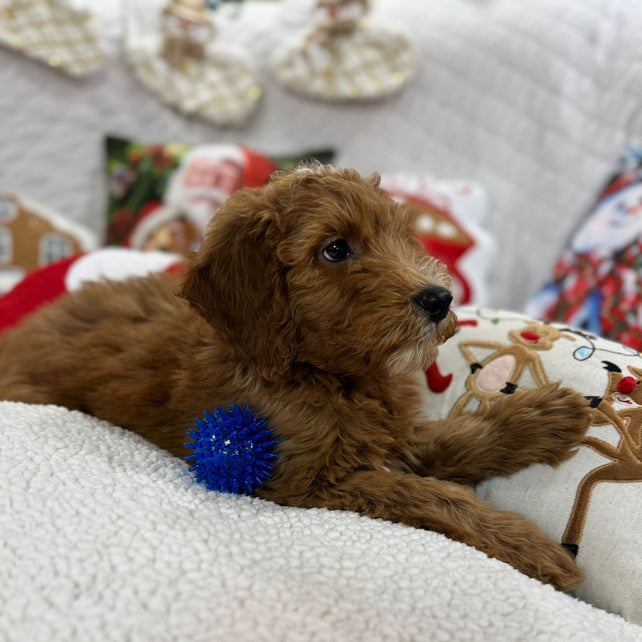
{"x":233,"y":450}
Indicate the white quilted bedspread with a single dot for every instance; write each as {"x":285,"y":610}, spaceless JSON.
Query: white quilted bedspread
{"x":535,"y":100}
{"x":105,"y":537}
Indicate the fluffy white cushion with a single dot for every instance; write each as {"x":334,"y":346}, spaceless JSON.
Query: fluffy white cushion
{"x":105,"y":537}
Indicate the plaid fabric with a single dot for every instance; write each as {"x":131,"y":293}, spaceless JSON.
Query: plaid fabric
{"x":368,"y":63}
{"x":53,"y":33}
{"x":597,"y":281}
{"x":221,"y":88}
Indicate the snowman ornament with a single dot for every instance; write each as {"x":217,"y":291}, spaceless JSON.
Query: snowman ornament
{"x":344,"y":57}
{"x":189,"y":69}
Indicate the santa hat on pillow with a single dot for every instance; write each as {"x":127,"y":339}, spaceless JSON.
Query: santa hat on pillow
{"x":155,"y":215}
{"x":47,"y":284}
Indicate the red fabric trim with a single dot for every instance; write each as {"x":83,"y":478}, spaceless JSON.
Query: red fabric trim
{"x":38,"y":288}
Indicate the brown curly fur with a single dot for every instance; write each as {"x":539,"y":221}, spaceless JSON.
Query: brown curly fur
{"x":327,"y":352}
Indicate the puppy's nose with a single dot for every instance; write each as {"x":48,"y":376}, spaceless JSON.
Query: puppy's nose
{"x":436,"y":301}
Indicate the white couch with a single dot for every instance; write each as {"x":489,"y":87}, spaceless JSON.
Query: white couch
{"x":104,"y":537}
{"x":534,"y":100}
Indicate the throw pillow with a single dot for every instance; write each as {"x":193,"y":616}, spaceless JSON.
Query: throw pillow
{"x":589,"y":503}
{"x":597,"y":280}
{"x":450,"y":217}
{"x":162,"y":195}
{"x":46,"y":284}
{"x":32,"y":236}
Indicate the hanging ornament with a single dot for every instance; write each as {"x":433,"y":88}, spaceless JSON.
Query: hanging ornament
{"x":191,"y":71}
{"x":345,"y":58}
{"x":53,"y":32}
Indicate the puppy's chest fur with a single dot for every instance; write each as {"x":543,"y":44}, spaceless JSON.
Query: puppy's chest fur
{"x":332,"y":427}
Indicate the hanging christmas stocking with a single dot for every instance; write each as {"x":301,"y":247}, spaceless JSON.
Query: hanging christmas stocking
{"x":193,"y":73}
{"x":53,"y":32}
{"x":344,"y":58}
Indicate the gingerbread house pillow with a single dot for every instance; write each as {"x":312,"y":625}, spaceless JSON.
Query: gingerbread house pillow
{"x":32,"y":236}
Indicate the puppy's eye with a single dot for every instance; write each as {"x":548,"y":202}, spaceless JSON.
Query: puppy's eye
{"x":338,"y":250}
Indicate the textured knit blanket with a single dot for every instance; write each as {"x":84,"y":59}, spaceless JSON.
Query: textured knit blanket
{"x":105,"y":537}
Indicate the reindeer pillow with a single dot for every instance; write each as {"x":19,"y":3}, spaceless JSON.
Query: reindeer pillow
{"x":591,"y":503}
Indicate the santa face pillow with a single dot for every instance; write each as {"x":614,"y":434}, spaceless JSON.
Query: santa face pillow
{"x":169,"y":194}
{"x":161,"y":196}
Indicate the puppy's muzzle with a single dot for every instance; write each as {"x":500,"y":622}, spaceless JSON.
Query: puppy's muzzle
{"x":436,"y":301}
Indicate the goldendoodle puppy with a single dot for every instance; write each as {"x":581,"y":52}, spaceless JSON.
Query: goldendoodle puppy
{"x":311,"y":302}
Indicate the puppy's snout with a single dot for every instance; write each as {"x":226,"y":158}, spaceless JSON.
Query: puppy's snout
{"x":436,"y":301}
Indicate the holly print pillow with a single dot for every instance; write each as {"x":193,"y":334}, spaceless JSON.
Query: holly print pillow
{"x":161,"y":196}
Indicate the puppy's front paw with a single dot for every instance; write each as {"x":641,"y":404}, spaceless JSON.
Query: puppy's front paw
{"x":564,"y":416}
{"x":553,"y":564}
{"x":543,"y":424}
{"x":519,"y":542}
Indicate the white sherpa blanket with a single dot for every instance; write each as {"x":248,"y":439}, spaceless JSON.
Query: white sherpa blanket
{"x":104,"y":537}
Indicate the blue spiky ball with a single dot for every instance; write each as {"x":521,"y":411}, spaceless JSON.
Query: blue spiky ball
{"x":233,"y":450}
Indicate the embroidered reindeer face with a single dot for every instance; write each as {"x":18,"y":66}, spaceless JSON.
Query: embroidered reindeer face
{"x":537,"y":336}
{"x":624,"y":393}
{"x":500,"y":371}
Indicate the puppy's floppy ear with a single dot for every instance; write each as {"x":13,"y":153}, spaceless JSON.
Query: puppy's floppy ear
{"x":235,"y":281}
